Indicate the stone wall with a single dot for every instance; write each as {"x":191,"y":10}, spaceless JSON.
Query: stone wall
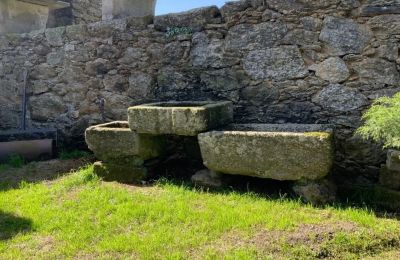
{"x":279,"y":61}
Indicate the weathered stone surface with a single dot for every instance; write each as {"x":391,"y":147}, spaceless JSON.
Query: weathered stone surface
{"x":389,"y":50}
{"x":393,"y":160}
{"x":372,"y":10}
{"x":389,"y":178}
{"x":233,"y":7}
{"x":115,"y":140}
{"x":311,"y":23}
{"x":140,"y":85}
{"x":286,"y":7}
{"x":279,"y":63}
{"x":224,"y":80}
{"x":207,"y":178}
{"x":55,"y":36}
{"x":98,"y":67}
{"x":207,"y":52}
{"x":124,"y":171}
{"x":344,"y":36}
{"x":194,"y":19}
{"x":55,"y":58}
{"x":179,"y":118}
{"x":281,"y":152}
{"x":333,"y":70}
{"x":46,"y":106}
{"x":170,"y":79}
{"x":377,"y":71}
{"x":259,"y":36}
{"x":316,"y":192}
{"x":301,"y":37}
{"x":337,"y":98}
{"x":385,"y":24}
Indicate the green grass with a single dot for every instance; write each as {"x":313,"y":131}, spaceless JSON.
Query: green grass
{"x":13,"y":161}
{"x":79,"y":216}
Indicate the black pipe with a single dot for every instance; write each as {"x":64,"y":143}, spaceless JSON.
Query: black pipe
{"x":24,"y":101}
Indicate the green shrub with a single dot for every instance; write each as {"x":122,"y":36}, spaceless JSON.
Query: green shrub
{"x":382,"y":122}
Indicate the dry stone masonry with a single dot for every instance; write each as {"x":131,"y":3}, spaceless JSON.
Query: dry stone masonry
{"x":286,"y":61}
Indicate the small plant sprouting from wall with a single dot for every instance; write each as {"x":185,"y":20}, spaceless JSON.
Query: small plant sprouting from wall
{"x":382,"y":122}
{"x":174,"y":31}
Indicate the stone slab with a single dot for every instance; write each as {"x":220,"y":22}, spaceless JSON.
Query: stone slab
{"x":207,"y":178}
{"x":280,"y":152}
{"x":393,"y":160}
{"x":318,"y":192}
{"x":115,"y":140}
{"x":187,"y":118}
{"x":389,"y":178}
{"x":124,"y":172}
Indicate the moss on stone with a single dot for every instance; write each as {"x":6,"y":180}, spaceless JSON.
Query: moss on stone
{"x":321,"y":135}
{"x":124,"y":172}
{"x":269,"y":151}
{"x":187,"y":118}
{"x":115,"y":140}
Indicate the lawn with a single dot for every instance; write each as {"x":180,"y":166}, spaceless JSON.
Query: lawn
{"x":79,"y":216}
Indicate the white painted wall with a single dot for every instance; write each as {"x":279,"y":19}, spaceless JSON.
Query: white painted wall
{"x":114,"y":9}
{"x":20,"y":17}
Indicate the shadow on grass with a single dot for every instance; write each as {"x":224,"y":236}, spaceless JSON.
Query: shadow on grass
{"x":379,"y":203}
{"x":382,"y":202}
{"x":11,"y":225}
{"x":36,"y":172}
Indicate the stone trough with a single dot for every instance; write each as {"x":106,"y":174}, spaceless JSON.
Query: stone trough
{"x":287,"y":152}
{"x":123,"y":153}
{"x":281,"y":152}
{"x":180,"y":118}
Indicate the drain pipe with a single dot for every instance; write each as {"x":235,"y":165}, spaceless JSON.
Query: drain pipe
{"x":24,"y":101}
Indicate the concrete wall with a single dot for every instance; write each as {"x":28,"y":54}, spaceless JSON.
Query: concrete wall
{"x":16,"y":16}
{"x":114,"y":9}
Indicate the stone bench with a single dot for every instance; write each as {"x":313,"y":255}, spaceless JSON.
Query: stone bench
{"x":179,"y":118}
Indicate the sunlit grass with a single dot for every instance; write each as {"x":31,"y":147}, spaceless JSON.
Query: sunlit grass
{"x":79,"y":216}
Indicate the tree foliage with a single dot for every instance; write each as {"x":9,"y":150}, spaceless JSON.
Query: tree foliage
{"x":382,"y":122}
